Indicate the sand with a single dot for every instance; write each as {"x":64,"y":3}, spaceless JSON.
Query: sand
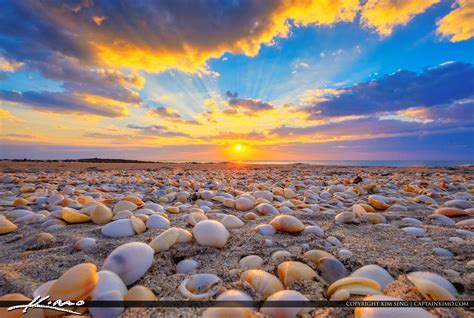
{"x":25,"y":264}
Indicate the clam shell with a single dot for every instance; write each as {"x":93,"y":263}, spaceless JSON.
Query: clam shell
{"x":316,"y":255}
{"x":84,"y":243}
{"x":156,"y":221}
{"x":374,"y":272}
{"x":314,"y":229}
{"x":244,"y":203}
{"x":331,"y":269}
{"x":267,"y":209}
{"x":266,"y":229}
{"x":140,"y":293}
{"x":285,"y":312}
{"x":227,"y":312}
{"x":289,"y":193}
{"x":196,"y":217}
{"x":15,"y":313}
{"x":467,"y":224}
{"x":130,"y":261}
{"x":109,"y":281}
{"x":251,"y":261}
{"x":351,"y":280}
{"x":358,"y":210}
{"x":417,"y":278}
{"x":381,"y":312}
{"x":234,"y":295}
{"x":124,"y":214}
{"x":200,"y":286}
{"x":77,"y":283}
{"x":232,"y":222}
{"x":280,"y":255}
{"x":290,"y":272}
{"x":72,"y":216}
{"x":184,"y":236}
{"x":165,"y":240}
{"x":211,"y":233}
{"x":106,"y":312}
{"x":6,"y":226}
{"x":346,"y":217}
{"x":287,"y":223}
{"x":172,"y":209}
{"x":340,"y":295}
{"x":379,"y":202}
{"x":458,"y":203}
{"x":138,"y":225}
{"x":375,"y":218}
{"x":262,"y":282}
{"x":186,"y":265}
{"x":43,"y":289}
{"x":440,"y":219}
{"x":101,"y":214}
{"x":119,"y":228}
{"x":250,"y":216}
{"x":124,"y":205}
{"x":267,"y":195}
{"x":416,"y":231}
{"x":451,"y":212}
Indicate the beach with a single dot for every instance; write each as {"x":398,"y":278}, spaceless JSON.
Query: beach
{"x":403,"y":219}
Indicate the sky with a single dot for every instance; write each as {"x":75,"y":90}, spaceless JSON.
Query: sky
{"x":237,"y":80}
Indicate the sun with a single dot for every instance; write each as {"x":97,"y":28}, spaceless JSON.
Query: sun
{"x":238,"y":148}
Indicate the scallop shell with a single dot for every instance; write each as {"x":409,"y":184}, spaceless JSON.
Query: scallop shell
{"x":196,"y":217}
{"x":109,"y":281}
{"x":211,"y":233}
{"x":124,"y":205}
{"x":77,"y":283}
{"x":119,"y":228}
{"x":290,"y":272}
{"x":84,"y":243}
{"x":387,"y":312}
{"x":186,"y":265}
{"x":156,"y":221}
{"x":349,"y":281}
{"x":72,"y":216}
{"x":138,"y":225}
{"x":165,"y":240}
{"x":101,"y":214}
{"x":379,"y":202}
{"x":287,"y":223}
{"x":130,"y":261}
{"x":285,"y":312}
{"x":6,"y":226}
{"x":232,"y":222}
{"x":200,"y":286}
{"x":251,"y":261}
{"x":264,"y":283}
{"x":374,"y":272}
{"x":140,"y":293}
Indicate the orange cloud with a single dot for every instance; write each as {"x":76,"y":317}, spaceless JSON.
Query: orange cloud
{"x":9,"y":65}
{"x":458,"y":25}
{"x":384,"y":15}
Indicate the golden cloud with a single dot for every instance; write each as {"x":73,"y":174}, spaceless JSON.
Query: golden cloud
{"x":458,"y":25}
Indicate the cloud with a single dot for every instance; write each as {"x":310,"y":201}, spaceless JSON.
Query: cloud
{"x":170,"y":114}
{"x":156,"y":130}
{"x":385,"y":15}
{"x":247,"y":106}
{"x":439,"y":85}
{"x":7,"y":65}
{"x":458,"y":25}
{"x":233,"y":136}
{"x":231,"y":95}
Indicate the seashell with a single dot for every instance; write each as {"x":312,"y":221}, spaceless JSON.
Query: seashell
{"x":266,"y":229}
{"x":155,"y":207}
{"x":84,"y":243}
{"x":145,"y":211}
{"x":244,"y":203}
{"x":140,"y":293}
{"x":196,"y":217}
{"x":334,"y":241}
{"x":344,"y":253}
{"x":200,"y":286}
{"x":225,"y":312}
{"x":20,"y":202}
{"x":416,"y":231}
{"x":251,"y":261}
{"x":101,"y":214}
{"x":138,"y":225}
{"x":287,"y":223}
{"x":72,"y":216}
{"x":346,"y":217}
{"x":340,"y":295}
{"x":211,"y":233}
{"x":442,"y":252}
{"x":136,"y":200}
{"x":387,"y":312}
{"x":456,"y":240}
{"x":182,"y":196}
{"x":375,"y":218}
{"x":285,"y":312}
{"x":77,"y":283}
{"x":6,"y":226}
{"x":290,"y":272}
{"x":262,"y":282}
{"x":234,"y":295}
{"x":172,"y":209}
{"x":156,"y":221}
{"x":165,"y":240}
{"x":124,"y":205}
{"x":230,"y":203}
{"x":142,"y":217}
{"x":358,"y":210}
{"x":316,"y":255}
{"x":250,"y":216}
{"x":43,"y":289}
{"x":289,"y":193}
{"x":367,"y":207}
{"x":267,"y":209}
{"x":280,"y":255}
{"x":424,"y":282}
{"x":18,"y":213}
{"x":15,"y":313}
{"x":186,"y":265}
{"x":184,"y":236}
{"x":440,"y":219}
{"x":374,"y":272}
{"x":130,"y":261}
{"x":466,"y":233}
{"x":314,"y":229}
{"x":44,"y":238}
{"x":451,"y":212}
{"x":232,"y":222}
{"x":331,"y":269}
{"x":111,"y":295}
{"x":345,"y":282}
{"x":458,"y":203}
{"x":109,"y":281}
{"x":119,"y":228}
{"x":267,"y":195}
{"x":124,"y":214}
{"x":412,"y":221}
{"x":467,"y":224}
{"x":379,"y":202}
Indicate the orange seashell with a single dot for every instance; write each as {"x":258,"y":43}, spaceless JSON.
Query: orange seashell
{"x":451,"y":212}
{"x":73,"y":216}
{"x":6,"y":226}
{"x":77,"y":283}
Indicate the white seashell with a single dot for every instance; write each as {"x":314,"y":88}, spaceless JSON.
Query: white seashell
{"x":147,"y":211}
{"x":442,"y":252}
{"x":16,"y":214}
{"x":266,"y":229}
{"x":440,"y":219}
{"x":85,"y":242}
{"x":418,"y":279}
{"x":313,"y":229}
{"x":345,"y":217}
{"x":280,"y":255}
{"x":458,"y":203}
{"x":232,"y":222}
{"x":119,"y":228}
{"x":124,"y":214}
{"x":43,"y":289}
{"x":364,"y":285}
{"x":109,"y":281}
{"x":374,"y":272}
{"x":387,"y":312}
{"x":334,"y":241}
{"x":152,"y":206}
{"x":138,"y":225}
{"x":456,"y":240}
{"x":107,"y":312}
{"x":196,"y":217}
{"x":200,"y":286}
{"x":285,"y":312}
{"x":211,"y":233}
{"x":416,"y":231}
{"x":156,"y":221}
{"x":165,"y":240}
{"x":186,"y":265}
{"x":251,"y":261}
{"x":267,"y":209}
{"x":358,"y":210}
{"x":124,"y":205}
{"x":412,"y":221}
{"x":267,"y":195}
{"x":244,"y":203}
{"x":130,"y":261}
{"x":344,"y":253}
